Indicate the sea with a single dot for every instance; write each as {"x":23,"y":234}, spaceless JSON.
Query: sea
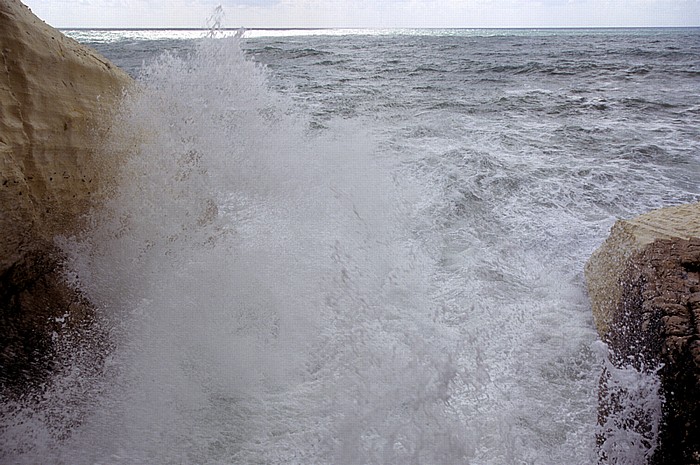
{"x":364,"y":247}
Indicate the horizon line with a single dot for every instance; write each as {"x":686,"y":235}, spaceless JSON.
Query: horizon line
{"x":360,"y":28}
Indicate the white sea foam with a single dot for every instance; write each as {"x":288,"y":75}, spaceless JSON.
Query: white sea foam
{"x":632,"y":401}
{"x":266,"y":295}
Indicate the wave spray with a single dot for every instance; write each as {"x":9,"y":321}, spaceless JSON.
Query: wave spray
{"x":266,"y":293}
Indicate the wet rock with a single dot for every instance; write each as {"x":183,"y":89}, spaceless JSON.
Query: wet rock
{"x":56,"y":97}
{"x":642,"y":283}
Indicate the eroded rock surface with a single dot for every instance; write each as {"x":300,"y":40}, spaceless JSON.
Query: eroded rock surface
{"x":644,"y":285}
{"x":55,"y":100}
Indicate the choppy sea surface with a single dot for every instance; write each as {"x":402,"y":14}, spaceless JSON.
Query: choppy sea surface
{"x":364,"y":247}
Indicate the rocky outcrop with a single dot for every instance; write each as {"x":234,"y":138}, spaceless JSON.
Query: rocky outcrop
{"x":55,"y":99}
{"x":644,"y":286}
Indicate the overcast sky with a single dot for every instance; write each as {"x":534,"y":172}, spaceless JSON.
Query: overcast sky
{"x":368,"y":13}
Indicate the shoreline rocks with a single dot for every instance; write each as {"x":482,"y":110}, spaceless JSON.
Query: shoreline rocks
{"x":644,"y":286}
{"x":56,"y":98}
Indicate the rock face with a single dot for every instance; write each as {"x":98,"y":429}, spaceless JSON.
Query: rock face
{"x":644,"y":286}
{"x":55,"y":97}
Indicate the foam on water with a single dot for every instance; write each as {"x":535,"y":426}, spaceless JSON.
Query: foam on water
{"x":278,"y":294}
{"x":267,"y":300}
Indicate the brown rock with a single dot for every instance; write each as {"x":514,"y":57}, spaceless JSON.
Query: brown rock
{"x":694,"y":300}
{"x":642,"y":283}
{"x":56,"y":97}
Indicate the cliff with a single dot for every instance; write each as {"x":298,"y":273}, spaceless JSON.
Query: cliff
{"x":644,"y":286}
{"x":55,"y":99}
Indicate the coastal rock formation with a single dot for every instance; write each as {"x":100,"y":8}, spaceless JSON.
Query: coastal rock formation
{"x":55,"y":98}
{"x":644,"y":286}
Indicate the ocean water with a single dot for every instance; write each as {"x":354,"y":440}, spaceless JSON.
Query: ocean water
{"x":364,"y":247}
